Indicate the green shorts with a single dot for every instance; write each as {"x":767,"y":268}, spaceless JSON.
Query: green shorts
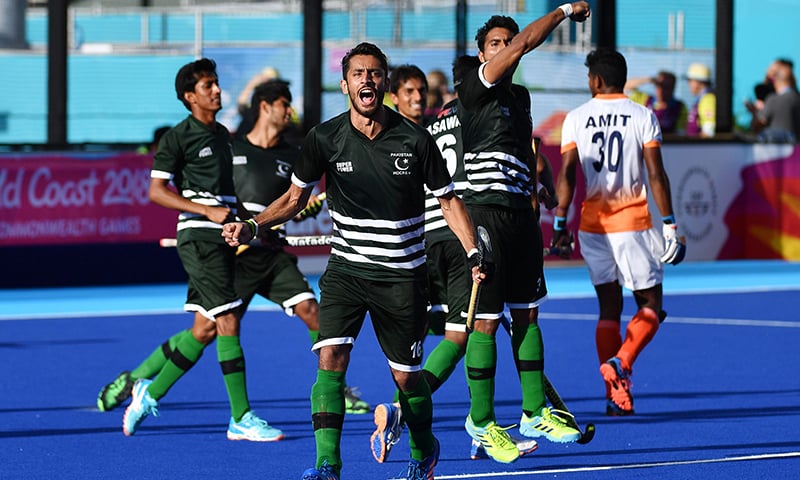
{"x":274,"y":275}
{"x":211,"y":270}
{"x":516,"y":241}
{"x":396,"y":308}
{"x":450,"y":282}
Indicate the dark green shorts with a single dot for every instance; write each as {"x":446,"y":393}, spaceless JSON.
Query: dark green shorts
{"x":274,"y":275}
{"x":516,"y":241}
{"x":449,"y":281}
{"x":210,"y":267}
{"x":396,"y":308}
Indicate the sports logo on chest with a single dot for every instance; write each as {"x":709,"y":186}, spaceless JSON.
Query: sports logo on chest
{"x":344,"y":166}
{"x":205,"y":152}
{"x":283,"y":169}
{"x":402,"y":163}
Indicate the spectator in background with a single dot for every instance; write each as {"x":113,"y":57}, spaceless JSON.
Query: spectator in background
{"x":702,"y":120}
{"x":439,"y":92}
{"x":671,"y":113}
{"x":779,"y":120}
{"x":408,"y":89}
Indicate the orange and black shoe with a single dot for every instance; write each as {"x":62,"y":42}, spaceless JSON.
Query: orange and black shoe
{"x":618,"y":383}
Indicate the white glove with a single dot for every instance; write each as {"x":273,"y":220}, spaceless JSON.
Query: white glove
{"x":674,"y":245}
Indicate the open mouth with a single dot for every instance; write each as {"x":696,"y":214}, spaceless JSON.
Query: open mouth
{"x":367,"y":96}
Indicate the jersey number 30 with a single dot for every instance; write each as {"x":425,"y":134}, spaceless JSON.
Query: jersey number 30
{"x":611,"y":149}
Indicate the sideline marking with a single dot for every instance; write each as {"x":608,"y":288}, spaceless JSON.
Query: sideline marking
{"x":686,"y":320}
{"x":604,"y":468}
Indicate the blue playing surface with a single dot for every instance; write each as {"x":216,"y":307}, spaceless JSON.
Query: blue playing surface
{"x":716,"y":391}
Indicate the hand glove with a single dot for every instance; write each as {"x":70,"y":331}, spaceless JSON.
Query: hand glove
{"x":674,"y":245}
{"x":486,"y":267}
{"x":562,"y":242}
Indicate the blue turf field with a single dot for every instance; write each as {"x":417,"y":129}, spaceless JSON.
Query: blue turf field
{"x":717,"y":392}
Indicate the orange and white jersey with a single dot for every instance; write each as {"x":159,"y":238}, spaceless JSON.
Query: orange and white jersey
{"x":610,"y":132}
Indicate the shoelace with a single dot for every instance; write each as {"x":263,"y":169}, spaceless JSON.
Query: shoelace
{"x":498,"y":436}
{"x":558,"y":416}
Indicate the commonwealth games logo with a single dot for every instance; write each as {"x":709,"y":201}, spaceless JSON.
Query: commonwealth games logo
{"x":697,"y":203}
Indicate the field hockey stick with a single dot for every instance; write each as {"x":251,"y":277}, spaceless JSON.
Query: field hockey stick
{"x":555,"y":399}
{"x":484,"y":256}
{"x":293,"y":241}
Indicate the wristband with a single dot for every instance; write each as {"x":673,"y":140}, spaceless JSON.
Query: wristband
{"x":253,"y":226}
{"x":472,"y":252}
{"x":559,"y":223}
{"x":567,"y":9}
{"x":669,"y":219}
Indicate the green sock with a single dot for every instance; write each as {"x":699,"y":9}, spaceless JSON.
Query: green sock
{"x":327,"y":416}
{"x":156,"y":361}
{"x":441,"y":362}
{"x":231,"y":360}
{"x":314,"y":335}
{"x":417,"y":410}
{"x":481,"y":364}
{"x":184,"y":356}
{"x":528,"y":348}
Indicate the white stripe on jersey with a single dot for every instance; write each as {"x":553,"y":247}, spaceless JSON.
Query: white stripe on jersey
{"x":497,"y":171}
{"x":355,"y":240}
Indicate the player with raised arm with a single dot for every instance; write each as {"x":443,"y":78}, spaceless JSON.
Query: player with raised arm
{"x":617,"y":144}
{"x":501,"y":172}
{"x":376,"y":165}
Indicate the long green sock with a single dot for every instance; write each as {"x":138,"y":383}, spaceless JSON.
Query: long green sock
{"x":440,"y":363}
{"x":327,"y":416}
{"x":183,"y":358}
{"x":528,"y":348}
{"x":481,"y":364}
{"x":314,"y":335}
{"x":417,"y":409}
{"x":231,"y":360}
{"x":156,"y":361}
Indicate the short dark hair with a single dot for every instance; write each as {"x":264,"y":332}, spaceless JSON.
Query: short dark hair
{"x":189,"y":74}
{"x":270,"y":91}
{"x":609,"y":65}
{"x":364,"y":48}
{"x":403,"y":73}
{"x":462,"y":66}
{"x":786,"y":62}
{"x":495,"y":21}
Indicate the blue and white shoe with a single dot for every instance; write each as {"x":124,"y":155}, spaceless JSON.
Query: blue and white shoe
{"x":324,"y":472}
{"x":142,"y":405}
{"x":388,"y":427}
{"x":524,"y":445}
{"x":424,"y":470}
{"x":253,"y":428}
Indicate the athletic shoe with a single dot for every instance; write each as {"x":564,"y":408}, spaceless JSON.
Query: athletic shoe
{"x":551,"y":424}
{"x":524,"y":445}
{"x":424,"y":470}
{"x":353,"y":402}
{"x":115,"y":392}
{"x":618,"y":381}
{"x":142,"y":405}
{"x":324,"y":472}
{"x":253,"y":428}
{"x":388,"y":428}
{"x":495,"y":440}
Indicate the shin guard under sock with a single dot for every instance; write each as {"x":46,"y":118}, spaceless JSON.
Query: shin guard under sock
{"x":327,"y":416}
{"x":184,"y":356}
{"x":417,"y":410}
{"x":231,"y":360}
{"x":156,"y":361}
{"x":640,"y":331}
{"x":528,"y":348}
{"x":481,"y":364}
{"x":440,"y":363}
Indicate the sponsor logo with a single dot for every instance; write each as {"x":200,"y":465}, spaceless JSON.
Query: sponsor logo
{"x":344,"y":167}
{"x":283,"y":169}
{"x":205,"y":152}
{"x":697,"y":203}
